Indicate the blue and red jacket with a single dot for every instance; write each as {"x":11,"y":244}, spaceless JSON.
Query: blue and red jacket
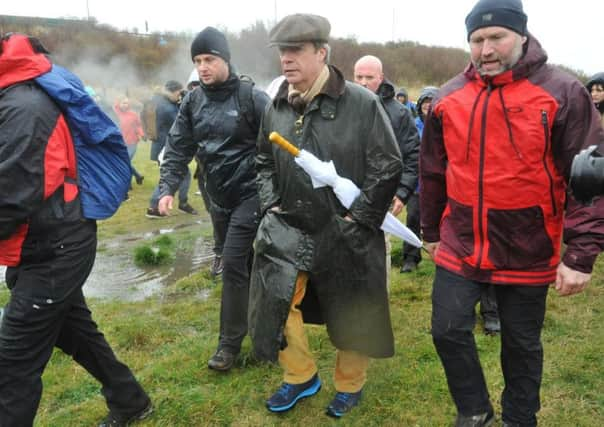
{"x":38,"y":173}
{"x":495,"y":161}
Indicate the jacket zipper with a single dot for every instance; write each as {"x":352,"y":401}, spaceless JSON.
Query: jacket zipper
{"x":545,"y":151}
{"x":483,"y":126}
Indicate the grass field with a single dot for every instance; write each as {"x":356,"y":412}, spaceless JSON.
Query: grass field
{"x":167,"y":340}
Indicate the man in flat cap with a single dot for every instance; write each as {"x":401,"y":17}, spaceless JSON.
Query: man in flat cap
{"x":212,"y":125}
{"x":495,"y":159}
{"x":317,"y":261}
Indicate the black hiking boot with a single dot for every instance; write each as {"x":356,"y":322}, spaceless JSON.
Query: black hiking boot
{"x":117,"y":420}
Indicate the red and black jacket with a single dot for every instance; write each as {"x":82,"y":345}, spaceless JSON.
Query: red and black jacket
{"x":495,"y":160}
{"x":38,"y":191}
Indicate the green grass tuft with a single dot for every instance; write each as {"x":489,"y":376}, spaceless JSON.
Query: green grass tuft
{"x":146,"y":255}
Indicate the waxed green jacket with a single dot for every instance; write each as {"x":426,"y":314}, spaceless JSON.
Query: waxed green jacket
{"x":344,"y":123}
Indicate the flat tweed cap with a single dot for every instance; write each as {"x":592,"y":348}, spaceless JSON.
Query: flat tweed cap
{"x":294,"y":30}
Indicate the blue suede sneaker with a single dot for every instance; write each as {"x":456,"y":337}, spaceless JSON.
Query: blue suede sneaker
{"x":288,"y":394}
{"x":343,"y":403}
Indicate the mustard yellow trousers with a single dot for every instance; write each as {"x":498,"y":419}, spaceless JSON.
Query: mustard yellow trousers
{"x":297,"y":361}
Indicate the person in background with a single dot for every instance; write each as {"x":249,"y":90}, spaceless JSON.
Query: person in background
{"x":274,"y":86}
{"x":317,"y":261}
{"x":132,"y":131}
{"x":402,"y":96}
{"x":166,"y":109}
{"x":488,"y":310}
{"x":411,"y":255}
{"x":595,"y":86}
{"x":424,"y":103}
{"x":368,"y":72}
{"x":48,"y":246}
{"x":105,"y":107}
{"x":495,"y":161}
{"x":212,"y":125}
{"x":193,"y":80}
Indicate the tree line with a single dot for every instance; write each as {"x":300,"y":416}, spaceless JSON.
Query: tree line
{"x":406,"y":63}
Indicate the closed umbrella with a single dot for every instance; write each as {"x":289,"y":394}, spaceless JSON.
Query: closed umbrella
{"x":324,"y":174}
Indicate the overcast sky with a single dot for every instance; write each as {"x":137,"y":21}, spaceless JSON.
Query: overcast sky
{"x":571,"y":32}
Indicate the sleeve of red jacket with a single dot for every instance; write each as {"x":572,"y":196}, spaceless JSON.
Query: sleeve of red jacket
{"x":577,"y":126}
{"x":24,"y":131}
{"x":432,"y":168}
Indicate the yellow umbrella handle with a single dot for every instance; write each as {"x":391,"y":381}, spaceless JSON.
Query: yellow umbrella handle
{"x":276,"y":138}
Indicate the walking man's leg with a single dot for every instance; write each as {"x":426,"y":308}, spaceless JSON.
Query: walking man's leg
{"x":412,"y":255}
{"x":237,"y":256}
{"x":522,"y":311}
{"x":183,"y":195}
{"x":300,"y":377}
{"x":454,"y":299}
{"x":81,"y":338}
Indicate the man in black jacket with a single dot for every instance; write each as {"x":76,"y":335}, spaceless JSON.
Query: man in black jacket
{"x":212,"y":124}
{"x":368,"y":73}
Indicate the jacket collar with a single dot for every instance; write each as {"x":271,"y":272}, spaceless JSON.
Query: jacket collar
{"x":333,"y":88}
{"x":221,"y":91}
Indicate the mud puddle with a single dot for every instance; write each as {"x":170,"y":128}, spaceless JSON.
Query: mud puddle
{"x":115,"y":276}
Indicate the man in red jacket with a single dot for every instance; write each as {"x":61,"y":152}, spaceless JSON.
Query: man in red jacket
{"x":49,"y":248}
{"x":495,"y":161}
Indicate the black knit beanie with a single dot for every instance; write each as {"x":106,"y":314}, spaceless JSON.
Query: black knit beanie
{"x":497,"y":13}
{"x":211,"y":41}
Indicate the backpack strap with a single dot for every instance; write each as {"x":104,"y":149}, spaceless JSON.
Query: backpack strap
{"x":245,"y":97}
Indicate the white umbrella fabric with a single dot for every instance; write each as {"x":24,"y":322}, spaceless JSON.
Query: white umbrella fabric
{"x":324,"y":174}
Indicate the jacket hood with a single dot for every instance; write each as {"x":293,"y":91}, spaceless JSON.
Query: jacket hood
{"x":386,"y":90}
{"x":595,"y":79}
{"x":534,"y":57}
{"x":403,"y":92}
{"x":427,"y":92}
{"x":20,"y":60}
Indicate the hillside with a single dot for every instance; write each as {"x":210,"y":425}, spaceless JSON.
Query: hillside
{"x":106,"y":57}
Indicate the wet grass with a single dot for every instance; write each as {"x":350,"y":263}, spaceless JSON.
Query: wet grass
{"x":167,"y":340}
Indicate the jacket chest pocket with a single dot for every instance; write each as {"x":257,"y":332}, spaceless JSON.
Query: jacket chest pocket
{"x":215,"y":123}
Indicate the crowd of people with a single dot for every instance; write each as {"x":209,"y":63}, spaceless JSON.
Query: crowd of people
{"x":290,"y":253}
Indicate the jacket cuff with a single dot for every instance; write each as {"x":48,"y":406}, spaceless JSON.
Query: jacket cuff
{"x":577,"y":259}
{"x":430,"y":236}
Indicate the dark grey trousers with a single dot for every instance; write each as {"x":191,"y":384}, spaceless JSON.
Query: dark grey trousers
{"x":237,"y":256}
{"x":521,"y":312}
